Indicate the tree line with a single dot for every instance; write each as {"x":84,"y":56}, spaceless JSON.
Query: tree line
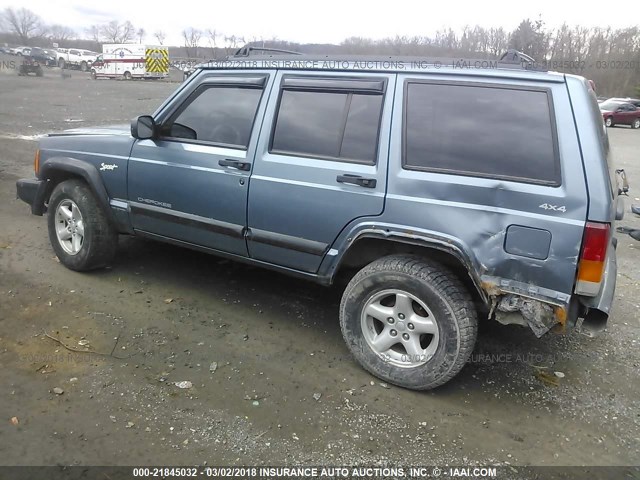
{"x":609,"y":57}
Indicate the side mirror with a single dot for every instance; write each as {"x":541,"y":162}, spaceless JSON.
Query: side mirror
{"x":143,"y":127}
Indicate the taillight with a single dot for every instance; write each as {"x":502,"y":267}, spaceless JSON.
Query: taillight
{"x":36,"y":162}
{"x":592,"y":258}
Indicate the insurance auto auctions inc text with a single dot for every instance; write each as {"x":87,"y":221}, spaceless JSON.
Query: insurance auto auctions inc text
{"x":376,"y":472}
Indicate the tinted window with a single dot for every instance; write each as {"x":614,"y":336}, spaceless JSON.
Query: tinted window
{"x":219,"y":115}
{"x":482,"y":131}
{"x":342,"y":126}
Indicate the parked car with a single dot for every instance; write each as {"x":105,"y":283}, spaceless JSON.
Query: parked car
{"x":615,"y":112}
{"x":22,"y":51}
{"x":39,"y":55}
{"x":333,"y":168}
{"x":633,"y":101}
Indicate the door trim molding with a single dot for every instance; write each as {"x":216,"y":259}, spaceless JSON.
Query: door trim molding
{"x":287,"y":241}
{"x":204,"y":223}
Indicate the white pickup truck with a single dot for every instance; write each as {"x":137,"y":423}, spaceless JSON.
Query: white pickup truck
{"x":75,"y":58}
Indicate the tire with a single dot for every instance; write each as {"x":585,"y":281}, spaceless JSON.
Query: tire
{"x":94,"y":76}
{"x":608,"y":122}
{"x":127,"y":75}
{"x":636,"y":123}
{"x":83,"y":67}
{"x":61,"y":63}
{"x":440,"y":305}
{"x":39,"y":72}
{"x":97,"y":245}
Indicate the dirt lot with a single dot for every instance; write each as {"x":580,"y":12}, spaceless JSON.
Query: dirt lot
{"x":162,"y":315}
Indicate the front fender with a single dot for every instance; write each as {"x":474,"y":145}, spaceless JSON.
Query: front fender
{"x":55,"y":167}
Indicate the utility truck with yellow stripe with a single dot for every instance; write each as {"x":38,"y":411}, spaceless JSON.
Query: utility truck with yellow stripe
{"x":131,"y":60}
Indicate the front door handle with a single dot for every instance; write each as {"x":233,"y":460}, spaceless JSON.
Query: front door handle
{"x":235,"y":164}
{"x":357,"y":180}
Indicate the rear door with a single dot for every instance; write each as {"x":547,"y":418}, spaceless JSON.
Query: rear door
{"x":321,"y":163}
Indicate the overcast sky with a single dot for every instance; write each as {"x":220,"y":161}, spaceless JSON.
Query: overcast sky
{"x":325,"y":21}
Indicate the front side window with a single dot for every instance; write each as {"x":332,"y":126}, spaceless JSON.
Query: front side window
{"x":332,"y":125}
{"x":221,"y":115}
{"x":482,"y":131}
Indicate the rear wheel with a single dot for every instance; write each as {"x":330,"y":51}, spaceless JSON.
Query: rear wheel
{"x":608,"y":122}
{"x":409,"y":321}
{"x":127,"y":75}
{"x":636,"y":123}
{"x":93,"y":74}
{"x":79,"y":231}
{"x":83,"y":67}
{"x":39,"y":72}
{"x":61,"y":63}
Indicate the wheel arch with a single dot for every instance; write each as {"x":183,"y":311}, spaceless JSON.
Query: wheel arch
{"x":369,"y":246}
{"x":58,"y":169}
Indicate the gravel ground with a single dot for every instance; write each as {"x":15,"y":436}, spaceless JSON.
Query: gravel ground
{"x":284,"y":389}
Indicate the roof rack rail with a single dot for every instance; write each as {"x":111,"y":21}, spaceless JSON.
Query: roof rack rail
{"x":514,"y":56}
{"x":246,"y":51}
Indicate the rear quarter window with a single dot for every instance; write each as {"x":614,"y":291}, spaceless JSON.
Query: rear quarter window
{"x":481,"y":130}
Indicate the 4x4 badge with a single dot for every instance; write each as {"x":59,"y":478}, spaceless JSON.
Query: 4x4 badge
{"x":555,"y":208}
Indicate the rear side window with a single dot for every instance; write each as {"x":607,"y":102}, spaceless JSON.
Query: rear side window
{"x":485,"y":131}
{"x":334,"y":125}
{"x":220,"y":115}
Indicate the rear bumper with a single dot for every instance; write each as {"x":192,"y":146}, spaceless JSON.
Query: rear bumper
{"x":31,"y":191}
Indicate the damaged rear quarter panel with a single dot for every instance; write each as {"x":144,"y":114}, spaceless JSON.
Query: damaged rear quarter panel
{"x":477,"y":212}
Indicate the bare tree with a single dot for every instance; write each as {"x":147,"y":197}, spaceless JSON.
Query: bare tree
{"x":233,"y":43}
{"x":94,"y":32}
{"x":191,"y":41}
{"x":60,"y":33}
{"x":141,"y":33}
{"x":22,"y":22}
{"x":160,"y":36}
{"x":127,"y":33}
{"x":212,"y":36}
{"x":114,"y":32}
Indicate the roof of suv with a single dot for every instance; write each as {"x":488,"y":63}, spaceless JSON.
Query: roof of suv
{"x":478,"y":67}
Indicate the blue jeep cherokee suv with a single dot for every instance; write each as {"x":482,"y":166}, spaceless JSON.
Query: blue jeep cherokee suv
{"x":448,"y":194}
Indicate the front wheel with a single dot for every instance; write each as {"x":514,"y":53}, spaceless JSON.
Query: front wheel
{"x":409,"y":321}
{"x":62,"y":63}
{"x":127,"y":75}
{"x":83,"y":67}
{"x":608,"y":122}
{"x":636,"y":123}
{"x":79,"y":231}
{"x":93,"y":74}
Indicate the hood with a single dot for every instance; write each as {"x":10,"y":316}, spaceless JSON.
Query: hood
{"x":110,"y":130}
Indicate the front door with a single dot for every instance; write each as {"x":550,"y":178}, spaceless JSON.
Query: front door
{"x":190,"y":184}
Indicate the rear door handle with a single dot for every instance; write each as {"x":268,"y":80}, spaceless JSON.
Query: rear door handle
{"x":235,"y":164}
{"x":357,"y":180}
